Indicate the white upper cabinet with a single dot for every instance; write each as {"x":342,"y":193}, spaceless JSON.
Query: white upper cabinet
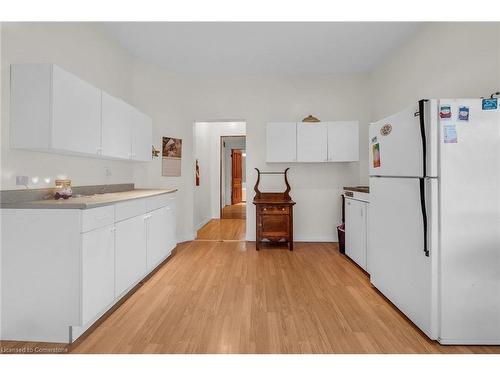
{"x":312,"y":142}
{"x":343,"y":141}
{"x":142,"y":135}
{"x":76,"y":113}
{"x":116,"y":128}
{"x":333,"y":141}
{"x":281,"y":145}
{"x":55,"y":111}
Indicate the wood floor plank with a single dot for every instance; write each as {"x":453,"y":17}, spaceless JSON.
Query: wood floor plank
{"x":226,"y":297}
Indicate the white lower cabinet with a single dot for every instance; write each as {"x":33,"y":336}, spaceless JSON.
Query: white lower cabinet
{"x":98,"y":271}
{"x":130,"y":252}
{"x":56,"y":284}
{"x":157,"y":237}
{"x":356,"y":231}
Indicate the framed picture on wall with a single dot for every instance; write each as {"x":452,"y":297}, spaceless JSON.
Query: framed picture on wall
{"x":171,"y":157}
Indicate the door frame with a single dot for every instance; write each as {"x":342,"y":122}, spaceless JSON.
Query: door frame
{"x":221,"y":155}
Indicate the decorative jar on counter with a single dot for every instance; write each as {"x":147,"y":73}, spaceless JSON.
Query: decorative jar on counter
{"x":63,"y":189}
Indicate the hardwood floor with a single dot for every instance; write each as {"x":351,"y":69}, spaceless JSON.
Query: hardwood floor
{"x":223,"y":230}
{"x":235,"y":211}
{"x":225,"y":297}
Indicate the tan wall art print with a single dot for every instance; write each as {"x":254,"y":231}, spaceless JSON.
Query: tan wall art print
{"x":171,"y":157}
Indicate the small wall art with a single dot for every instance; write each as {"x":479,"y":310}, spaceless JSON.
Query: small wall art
{"x":171,"y":157}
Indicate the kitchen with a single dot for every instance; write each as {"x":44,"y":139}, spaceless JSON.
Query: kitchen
{"x":86,"y":117}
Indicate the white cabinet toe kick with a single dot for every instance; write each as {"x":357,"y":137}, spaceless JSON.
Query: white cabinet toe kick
{"x":62,"y":269}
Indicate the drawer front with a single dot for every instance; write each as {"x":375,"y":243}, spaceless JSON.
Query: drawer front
{"x":128,"y":209}
{"x":97,"y":217}
{"x":159,"y":201}
{"x":274,"y":210}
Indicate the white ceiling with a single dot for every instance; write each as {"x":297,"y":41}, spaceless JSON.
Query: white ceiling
{"x":257,"y":47}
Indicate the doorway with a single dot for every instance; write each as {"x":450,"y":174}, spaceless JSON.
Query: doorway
{"x":233,"y":177}
{"x":219,"y":209}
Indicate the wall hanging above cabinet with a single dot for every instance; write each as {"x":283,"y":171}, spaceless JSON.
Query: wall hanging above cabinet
{"x":320,"y":142}
{"x":55,"y":111}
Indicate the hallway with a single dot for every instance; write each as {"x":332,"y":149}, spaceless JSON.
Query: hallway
{"x":234,"y":211}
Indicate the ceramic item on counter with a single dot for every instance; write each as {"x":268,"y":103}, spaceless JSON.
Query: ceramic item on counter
{"x":63,"y":189}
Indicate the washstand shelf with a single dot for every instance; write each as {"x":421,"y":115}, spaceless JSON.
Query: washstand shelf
{"x":274,"y":213}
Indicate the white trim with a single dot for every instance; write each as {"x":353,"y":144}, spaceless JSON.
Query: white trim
{"x":203,"y":223}
{"x":186,"y":237}
{"x":469,"y":342}
{"x":304,"y":239}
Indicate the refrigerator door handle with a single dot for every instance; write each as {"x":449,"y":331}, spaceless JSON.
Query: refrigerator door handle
{"x":421,"y":114}
{"x":424,"y":213}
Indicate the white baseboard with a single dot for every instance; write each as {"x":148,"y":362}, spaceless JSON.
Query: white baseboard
{"x":305,"y":239}
{"x":186,"y":237}
{"x":202,"y":224}
{"x":443,"y":341}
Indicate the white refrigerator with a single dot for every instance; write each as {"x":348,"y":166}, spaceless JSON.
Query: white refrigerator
{"x":434,"y":224}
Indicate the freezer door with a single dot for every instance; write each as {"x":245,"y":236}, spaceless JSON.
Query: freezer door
{"x":399,"y":267}
{"x":396,"y":143}
{"x":470,"y":225}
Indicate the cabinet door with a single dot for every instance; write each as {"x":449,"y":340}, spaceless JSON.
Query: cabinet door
{"x":116,"y":128}
{"x":142,"y":138}
{"x":343,"y":141}
{"x":171,"y":225}
{"x":98,"y":271}
{"x":158,"y":245}
{"x":76,"y":114}
{"x":311,"y":142}
{"x":281,"y":142}
{"x":355,"y":231}
{"x":130,"y":252}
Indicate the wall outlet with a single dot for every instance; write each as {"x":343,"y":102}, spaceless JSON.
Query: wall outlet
{"x":22,"y":180}
{"x":107,"y":171}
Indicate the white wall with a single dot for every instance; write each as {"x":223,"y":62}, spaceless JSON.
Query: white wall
{"x":237,"y":143}
{"x":207,"y":137}
{"x":85,"y":50}
{"x":441,"y":60}
{"x":445,"y":59}
{"x":176,"y":101}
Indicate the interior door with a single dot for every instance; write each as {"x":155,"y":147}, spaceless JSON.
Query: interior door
{"x":98,"y":271}
{"x":312,"y":142}
{"x":355,"y":231}
{"x":236,"y":177}
{"x":76,"y":114}
{"x":131,"y":262}
{"x":116,"y":127}
{"x":399,"y":267}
